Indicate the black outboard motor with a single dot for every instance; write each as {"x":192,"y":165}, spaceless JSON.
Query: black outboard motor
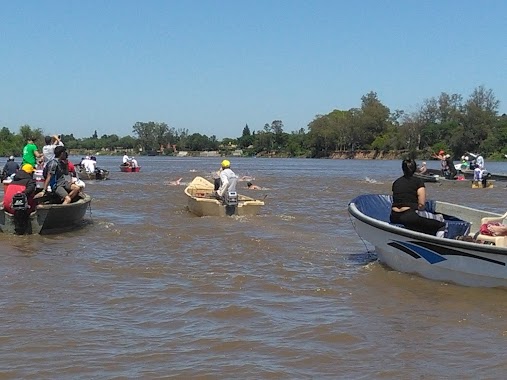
{"x":485,"y":176}
{"x":20,"y":206}
{"x":19,"y":202}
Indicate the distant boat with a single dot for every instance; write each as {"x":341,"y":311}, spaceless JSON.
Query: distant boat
{"x":97,"y":175}
{"x":130,"y":169}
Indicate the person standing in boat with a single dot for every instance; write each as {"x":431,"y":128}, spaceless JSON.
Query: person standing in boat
{"x":409,"y":198}
{"x":30,"y":153}
{"x":479,"y":162}
{"x":48,"y":150}
{"x":228,"y":179}
{"x":451,"y":169}
{"x":443,"y":162}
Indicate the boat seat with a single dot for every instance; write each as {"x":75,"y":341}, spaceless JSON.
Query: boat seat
{"x":499,"y":241}
{"x":378,"y":206}
{"x":494,"y":219}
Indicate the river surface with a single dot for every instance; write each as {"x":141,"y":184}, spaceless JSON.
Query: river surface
{"x":146,"y":290}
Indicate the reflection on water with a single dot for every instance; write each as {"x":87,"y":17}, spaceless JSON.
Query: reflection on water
{"x":147,"y":290}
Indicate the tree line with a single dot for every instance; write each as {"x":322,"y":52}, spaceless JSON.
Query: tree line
{"x":448,"y":122}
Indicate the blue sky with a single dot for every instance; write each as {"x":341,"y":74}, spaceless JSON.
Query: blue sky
{"x":213,"y":66}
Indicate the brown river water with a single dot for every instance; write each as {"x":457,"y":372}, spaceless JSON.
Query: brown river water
{"x":146,"y":290}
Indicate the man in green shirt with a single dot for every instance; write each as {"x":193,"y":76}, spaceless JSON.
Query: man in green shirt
{"x":30,"y":153}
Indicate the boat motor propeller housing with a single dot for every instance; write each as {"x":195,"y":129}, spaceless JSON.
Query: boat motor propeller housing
{"x":19,"y":202}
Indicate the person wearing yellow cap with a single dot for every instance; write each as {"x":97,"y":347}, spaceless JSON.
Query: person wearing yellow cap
{"x":228,"y":179}
{"x":23,"y":182}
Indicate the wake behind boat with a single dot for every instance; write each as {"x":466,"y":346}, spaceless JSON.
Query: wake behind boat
{"x":444,"y":259}
{"x":202,"y":202}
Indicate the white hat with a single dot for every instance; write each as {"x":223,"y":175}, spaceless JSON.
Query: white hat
{"x":11,"y":158}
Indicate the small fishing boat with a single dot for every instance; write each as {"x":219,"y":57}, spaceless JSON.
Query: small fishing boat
{"x":100,"y":174}
{"x":48,"y":217}
{"x":469,"y":174}
{"x":460,"y":180}
{"x":202,"y":202}
{"x":427,"y":177}
{"x":463,"y":261}
{"x":129,"y":169}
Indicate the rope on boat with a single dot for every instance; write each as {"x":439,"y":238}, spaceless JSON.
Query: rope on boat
{"x":90,"y":208}
{"x":364,"y":242}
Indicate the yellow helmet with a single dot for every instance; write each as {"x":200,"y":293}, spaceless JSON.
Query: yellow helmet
{"x":226,"y":164}
{"x":28,"y":168}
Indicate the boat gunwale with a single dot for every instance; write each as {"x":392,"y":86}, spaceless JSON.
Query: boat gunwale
{"x":486,"y":248}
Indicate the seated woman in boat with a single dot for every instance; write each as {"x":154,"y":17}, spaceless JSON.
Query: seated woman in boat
{"x":409,"y":197}
{"x":423,"y":169}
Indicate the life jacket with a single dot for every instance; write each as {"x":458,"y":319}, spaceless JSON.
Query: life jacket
{"x":10,"y":196}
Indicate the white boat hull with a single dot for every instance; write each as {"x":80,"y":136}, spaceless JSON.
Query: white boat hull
{"x":442,"y":259}
{"x":460,"y":265}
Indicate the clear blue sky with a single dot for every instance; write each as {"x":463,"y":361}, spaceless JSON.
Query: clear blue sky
{"x":211,"y":66}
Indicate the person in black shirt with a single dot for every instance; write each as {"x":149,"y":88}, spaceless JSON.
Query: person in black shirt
{"x":409,"y":196}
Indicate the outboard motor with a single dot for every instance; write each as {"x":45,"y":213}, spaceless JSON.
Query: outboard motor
{"x":231,"y":202}
{"x":231,"y":198}
{"x":19,"y":202}
{"x":485,"y":176}
{"x":20,"y":207}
